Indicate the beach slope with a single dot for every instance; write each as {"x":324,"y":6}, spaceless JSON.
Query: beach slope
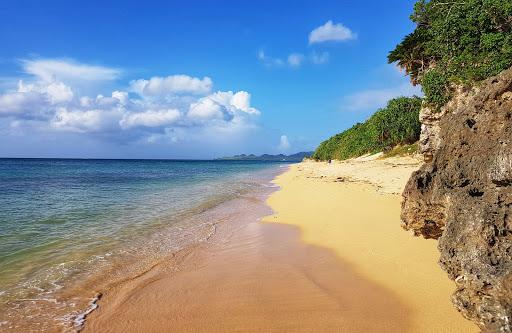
{"x":353,"y":208}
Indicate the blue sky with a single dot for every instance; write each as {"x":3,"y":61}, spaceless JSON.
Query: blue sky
{"x":192,"y":79}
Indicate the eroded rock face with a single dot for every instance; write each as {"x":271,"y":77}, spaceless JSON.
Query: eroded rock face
{"x":462,"y":196}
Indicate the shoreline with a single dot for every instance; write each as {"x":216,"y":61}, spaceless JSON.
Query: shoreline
{"x":59,"y":302}
{"x":278,"y":266}
{"x":220,"y":214}
{"x":240,"y":273}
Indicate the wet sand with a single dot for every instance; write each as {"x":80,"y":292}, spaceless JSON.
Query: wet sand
{"x":250,"y":277}
{"x":332,"y":259}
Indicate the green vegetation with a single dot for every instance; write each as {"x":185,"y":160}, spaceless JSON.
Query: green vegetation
{"x":455,"y":43}
{"x":397,"y":123}
{"x":402,"y":150}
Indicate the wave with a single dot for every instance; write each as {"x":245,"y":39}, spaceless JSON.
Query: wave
{"x":72,"y":287}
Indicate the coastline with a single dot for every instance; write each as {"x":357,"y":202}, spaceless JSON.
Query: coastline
{"x":252,"y":277}
{"x":318,"y":263}
{"x":134,"y":219}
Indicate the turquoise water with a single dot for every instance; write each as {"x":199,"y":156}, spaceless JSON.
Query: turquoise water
{"x":63,"y":221}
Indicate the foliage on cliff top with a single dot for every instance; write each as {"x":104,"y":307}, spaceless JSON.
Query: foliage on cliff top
{"x":397,"y":123}
{"x":455,"y":42}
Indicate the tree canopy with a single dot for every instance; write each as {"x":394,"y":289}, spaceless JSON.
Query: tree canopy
{"x":456,"y":42}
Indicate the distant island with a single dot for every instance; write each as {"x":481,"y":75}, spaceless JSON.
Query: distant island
{"x":266,"y":157}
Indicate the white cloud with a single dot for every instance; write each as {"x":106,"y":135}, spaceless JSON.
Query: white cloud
{"x":55,"y":92}
{"x":242,"y":101}
{"x":65,"y":69}
{"x":207,"y":109}
{"x":121,"y":96}
{"x":175,"y":109}
{"x":373,"y":99}
{"x":59,"y":92}
{"x":21,"y":104}
{"x":31,"y":101}
{"x":173,"y":84}
{"x":331,"y":32}
{"x":284,"y":144}
{"x":85,"y":121}
{"x":158,"y":118}
{"x":295,"y":59}
{"x":320,"y":58}
{"x":100,"y":114}
{"x":222,"y":105}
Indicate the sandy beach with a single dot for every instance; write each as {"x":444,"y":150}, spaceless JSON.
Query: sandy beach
{"x":353,"y":208}
{"x":329,"y":256}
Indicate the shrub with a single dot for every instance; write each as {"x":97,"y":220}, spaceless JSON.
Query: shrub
{"x":397,"y":123}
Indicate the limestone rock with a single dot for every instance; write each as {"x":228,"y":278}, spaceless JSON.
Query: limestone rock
{"x":462,"y":196}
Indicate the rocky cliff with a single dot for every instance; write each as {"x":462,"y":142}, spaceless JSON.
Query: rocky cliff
{"x":462,"y":196}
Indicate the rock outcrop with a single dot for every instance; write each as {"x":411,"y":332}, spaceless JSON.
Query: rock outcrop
{"x":462,"y":196}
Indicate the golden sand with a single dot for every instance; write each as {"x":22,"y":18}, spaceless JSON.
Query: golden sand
{"x":254,"y":278}
{"x":337,"y":261}
{"x":337,"y":206}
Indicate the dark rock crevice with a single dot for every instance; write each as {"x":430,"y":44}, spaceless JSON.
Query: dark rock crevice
{"x":462,"y":196}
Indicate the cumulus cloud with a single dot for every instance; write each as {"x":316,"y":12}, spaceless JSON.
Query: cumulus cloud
{"x":20,"y":104}
{"x":222,"y":105}
{"x":66,"y":69}
{"x":331,"y":32}
{"x":58,"y":92}
{"x":121,"y":96}
{"x":207,"y":109}
{"x":159,"y":118}
{"x":167,"y":108}
{"x":86,"y":121}
{"x":242,"y":101}
{"x":284,"y":143}
{"x":55,"y":92}
{"x":173,"y":84}
{"x":32,"y":101}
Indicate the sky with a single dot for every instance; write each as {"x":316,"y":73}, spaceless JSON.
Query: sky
{"x":192,"y":79}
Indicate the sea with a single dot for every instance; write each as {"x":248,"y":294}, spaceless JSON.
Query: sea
{"x":70,"y":228}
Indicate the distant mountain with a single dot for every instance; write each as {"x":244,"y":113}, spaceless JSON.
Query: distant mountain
{"x":266,"y":157}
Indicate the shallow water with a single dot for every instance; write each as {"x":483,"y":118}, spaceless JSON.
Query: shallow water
{"x":69,"y":228}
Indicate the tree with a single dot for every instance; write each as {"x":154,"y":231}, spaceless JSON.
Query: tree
{"x":455,"y":42}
